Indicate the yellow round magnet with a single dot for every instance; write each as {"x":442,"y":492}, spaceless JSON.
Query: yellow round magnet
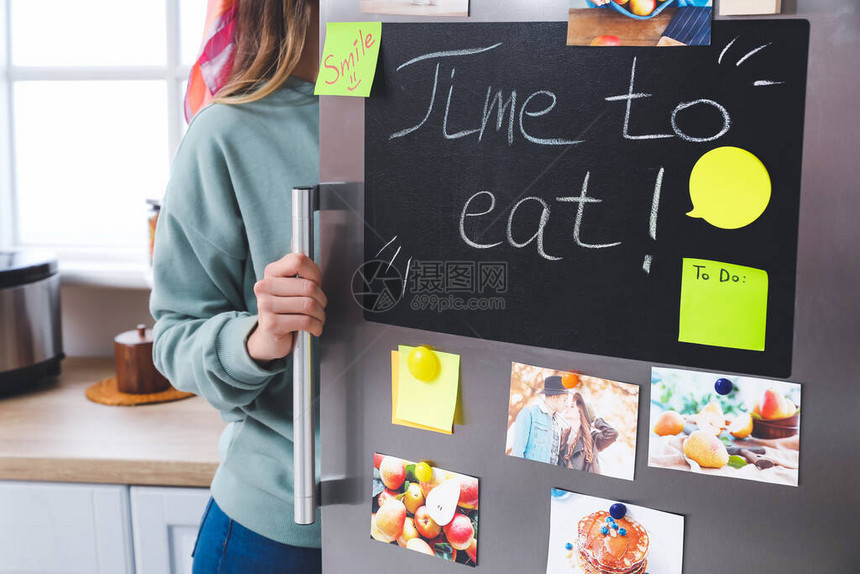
{"x":423,"y":363}
{"x":423,"y":471}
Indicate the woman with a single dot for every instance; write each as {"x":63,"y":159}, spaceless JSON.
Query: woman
{"x":227,"y":299}
{"x":585,"y":438}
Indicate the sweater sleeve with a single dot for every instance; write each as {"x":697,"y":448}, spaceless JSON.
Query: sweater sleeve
{"x":603,"y":434}
{"x":199,"y":265}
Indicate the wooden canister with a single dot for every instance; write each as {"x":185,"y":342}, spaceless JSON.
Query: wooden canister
{"x":135,"y":373}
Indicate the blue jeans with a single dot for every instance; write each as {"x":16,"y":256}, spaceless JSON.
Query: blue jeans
{"x":226,"y":547}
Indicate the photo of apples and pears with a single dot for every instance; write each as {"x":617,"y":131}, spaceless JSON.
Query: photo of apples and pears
{"x":424,"y":508}
{"x":725,"y":425}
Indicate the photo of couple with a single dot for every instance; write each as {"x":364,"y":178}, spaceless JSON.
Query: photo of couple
{"x":574,"y":421}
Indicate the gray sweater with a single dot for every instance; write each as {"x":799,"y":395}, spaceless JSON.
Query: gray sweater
{"x":226,"y":215}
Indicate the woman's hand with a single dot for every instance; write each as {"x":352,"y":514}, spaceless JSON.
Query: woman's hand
{"x":286,"y":304}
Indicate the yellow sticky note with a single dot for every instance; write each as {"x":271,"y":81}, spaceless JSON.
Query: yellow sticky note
{"x":431,"y":404}
{"x":349,"y":58}
{"x":723,"y":305}
{"x":729,"y":187}
{"x":395,"y":391}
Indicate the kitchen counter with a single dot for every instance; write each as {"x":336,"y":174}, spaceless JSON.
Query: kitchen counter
{"x":55,"y":433}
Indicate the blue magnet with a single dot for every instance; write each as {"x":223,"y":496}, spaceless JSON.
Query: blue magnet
{"x":617,"y":511}
{"x":568,"y":546}
{"x":723,"y":386}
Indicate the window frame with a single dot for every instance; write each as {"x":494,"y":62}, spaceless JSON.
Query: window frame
{"x":103,"y":266}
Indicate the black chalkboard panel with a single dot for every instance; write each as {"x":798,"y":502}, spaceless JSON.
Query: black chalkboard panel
{"x":591,"y":149}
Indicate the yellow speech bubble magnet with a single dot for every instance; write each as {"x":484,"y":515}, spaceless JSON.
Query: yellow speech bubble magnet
{"x":729,"y":187}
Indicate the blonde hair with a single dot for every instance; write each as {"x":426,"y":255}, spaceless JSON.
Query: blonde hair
{"x":268,"y":43}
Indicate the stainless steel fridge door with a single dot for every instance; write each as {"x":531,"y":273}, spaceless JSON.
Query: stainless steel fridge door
{"x":732,"y":525}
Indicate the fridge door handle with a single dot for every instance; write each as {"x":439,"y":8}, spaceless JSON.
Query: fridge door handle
{"x":304,"y":484}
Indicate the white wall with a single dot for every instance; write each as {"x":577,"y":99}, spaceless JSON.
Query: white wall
{"x":93,"y":316}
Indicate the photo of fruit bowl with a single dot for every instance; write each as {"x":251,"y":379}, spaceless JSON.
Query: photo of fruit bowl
{"x":639,"y":22}
{"x":725,"y":425}
{"x":640,"y":9}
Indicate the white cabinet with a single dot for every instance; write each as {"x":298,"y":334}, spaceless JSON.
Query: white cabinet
{"x":165,"y":522}
{"x":59,"y":528}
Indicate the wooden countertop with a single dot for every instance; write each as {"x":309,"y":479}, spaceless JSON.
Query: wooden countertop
{"x":56,"y":434}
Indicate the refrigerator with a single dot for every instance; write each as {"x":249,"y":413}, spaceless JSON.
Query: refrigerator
{"x":729,"y":525}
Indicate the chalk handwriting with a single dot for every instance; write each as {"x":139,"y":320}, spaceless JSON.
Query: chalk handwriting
{"x":544,"y":217}
{"x":744,"y":58}
{"x":396,"y":253}
{"x":727,"y":121}
{"x":631,"y":95}
{"x":546,"y":110}
{"x":580,"y":211}
{"x":445,"y":133}
{"x":407,"y":131}
{"x":448,"y":54}
{"x":752,"y":53}
{"x":655,"y":205}
{"x":652,"y":221}
{"x":498,"y":101}
{"x":501,"y":105}
{"x":465,"y":213}
{"x":378,"y":253}
{"x":508,"y":111}
{"x":726,"y":49}
{"x":469,"y":210}
{"x":646,"y":264}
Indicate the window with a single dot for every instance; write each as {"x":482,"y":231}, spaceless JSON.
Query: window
{"x":91,"y":113}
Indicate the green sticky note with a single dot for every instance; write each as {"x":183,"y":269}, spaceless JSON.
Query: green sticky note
{"x":349,"y":59}
{"x":433,"y":403}
{"x":723,"y":305}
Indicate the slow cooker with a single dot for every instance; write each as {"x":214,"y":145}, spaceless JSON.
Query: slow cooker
{"x":31,"y":345}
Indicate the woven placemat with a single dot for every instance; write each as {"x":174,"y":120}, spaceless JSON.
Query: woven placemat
{"x":107,"y":393}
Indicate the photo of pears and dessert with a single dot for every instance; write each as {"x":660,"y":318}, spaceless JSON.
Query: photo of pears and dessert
{"x":430,"y":510}
{"x":740,"y":427}
{"x":590,"y":535}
